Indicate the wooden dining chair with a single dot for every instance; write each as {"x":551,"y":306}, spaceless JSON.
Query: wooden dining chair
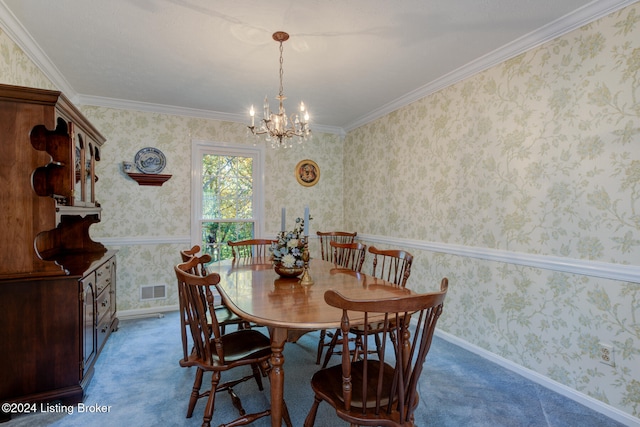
{"x":251,"y":249}
{"x":225,"y":316}
{"x":391,"y":265}
{"x":326,"y":253}
{"x":348,"y":255}
{"x":216,"y":352}
{"x":326,"y":237}
{"x":382,"y":391}
{"x":345,"y":255}
{"x":186,"y":254}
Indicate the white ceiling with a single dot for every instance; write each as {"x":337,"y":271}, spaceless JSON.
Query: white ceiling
{"x":350,"y":61}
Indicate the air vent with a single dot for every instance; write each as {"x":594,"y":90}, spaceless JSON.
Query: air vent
{"x":153,"y":292}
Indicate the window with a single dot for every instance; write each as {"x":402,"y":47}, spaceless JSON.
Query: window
{"x":227,"y":188}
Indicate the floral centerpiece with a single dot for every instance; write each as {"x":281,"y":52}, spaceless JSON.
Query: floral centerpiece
{"x":287,"y":251}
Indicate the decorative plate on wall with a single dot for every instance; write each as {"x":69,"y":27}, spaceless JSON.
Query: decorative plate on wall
{"x":307,"y":173}
{"x":150,"y":160}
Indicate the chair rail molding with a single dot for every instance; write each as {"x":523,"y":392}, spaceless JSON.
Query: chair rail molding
{"x":606,"y":270}
{"x":146,"y":240}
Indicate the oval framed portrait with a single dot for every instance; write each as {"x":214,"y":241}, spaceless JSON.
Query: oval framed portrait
{"x":307,"y":172}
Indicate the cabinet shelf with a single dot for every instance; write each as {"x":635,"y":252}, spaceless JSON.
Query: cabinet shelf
{"x":57,"y":285}
{"x":155,"y":179}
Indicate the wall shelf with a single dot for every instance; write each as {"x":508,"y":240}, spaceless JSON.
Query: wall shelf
{"x":154,"y":179}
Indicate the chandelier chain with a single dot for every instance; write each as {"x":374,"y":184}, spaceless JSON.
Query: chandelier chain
{"x":281,"y":75}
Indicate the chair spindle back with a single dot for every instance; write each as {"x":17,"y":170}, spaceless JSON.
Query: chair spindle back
{"x":326,"y":237}
{"x":348,"y":255}
{"x":252,"y":248}
{"x":386,"y":387}
{"x":392,"y":265}
{"x":199,"y":310}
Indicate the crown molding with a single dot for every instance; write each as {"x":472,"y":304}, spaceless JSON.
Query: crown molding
{"x":21,"y":37}
{"x":124,"y":104}
{"x":591,"y":12}
{"x":582,"y":16}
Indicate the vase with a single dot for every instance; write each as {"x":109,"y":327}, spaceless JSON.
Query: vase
{"x":287,"y":272}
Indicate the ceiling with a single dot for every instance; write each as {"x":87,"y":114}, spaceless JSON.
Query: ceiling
{"x":350,"y":61}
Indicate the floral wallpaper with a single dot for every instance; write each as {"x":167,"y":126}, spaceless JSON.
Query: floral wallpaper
{"x":144,"y":215}
{"x":17,"y":69}
{"x":538,"y":155}
{"x":150,"y":225}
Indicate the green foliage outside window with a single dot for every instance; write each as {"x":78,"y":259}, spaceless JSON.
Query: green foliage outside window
{"x":227,"y":203}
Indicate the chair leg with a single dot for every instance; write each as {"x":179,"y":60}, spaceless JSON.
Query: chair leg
{"x":235,"y":400}
{"x":311,"y":417}
{"x":323,"y":334}
{"x":359,"y":345}
{"x":378,"y":346}
{"x":360,"y":349}
{"x":257,"y":374}
{"x":246,"y":419}
{"x":208,"y":410}
{"x":332,"y":345}
{"x":285,"y":414}
{"x":195,"y":392}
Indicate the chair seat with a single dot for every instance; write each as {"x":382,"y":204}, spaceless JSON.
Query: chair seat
{"x":226,"y":316}
{"x":238,"y":346}
{"x":372,"y":328}
{"x":245,"y":344}
{"x":328,"y":383}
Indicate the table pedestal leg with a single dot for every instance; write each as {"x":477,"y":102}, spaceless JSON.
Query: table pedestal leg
{"x":278,"y":338}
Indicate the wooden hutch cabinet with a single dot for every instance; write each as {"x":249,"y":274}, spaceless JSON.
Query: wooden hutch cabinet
{"x":57,"y":286}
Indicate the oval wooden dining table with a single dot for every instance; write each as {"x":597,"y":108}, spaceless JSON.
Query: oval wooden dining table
{"x":253,"y":291}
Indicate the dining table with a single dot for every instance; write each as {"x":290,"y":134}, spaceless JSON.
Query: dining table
{"x":254,"y":291}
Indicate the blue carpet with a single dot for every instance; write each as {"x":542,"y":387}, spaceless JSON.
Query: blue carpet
{"x":138,"y":379}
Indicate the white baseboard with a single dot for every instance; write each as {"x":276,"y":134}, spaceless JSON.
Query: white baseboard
{"x":595,"y":404}
{"x":146,"y":312}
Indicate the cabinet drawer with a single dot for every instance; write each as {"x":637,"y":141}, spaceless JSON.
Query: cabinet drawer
{"x":103,"y":277}
{"x":103,"y":331}
{"x":103,"y":304}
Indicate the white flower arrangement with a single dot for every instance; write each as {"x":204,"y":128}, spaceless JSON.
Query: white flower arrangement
{"x":288,"y":250}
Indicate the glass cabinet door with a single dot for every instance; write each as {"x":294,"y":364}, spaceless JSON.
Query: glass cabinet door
{"x":90,"y":175}
{"x":79,"y":161}
{"x":88,"y":159}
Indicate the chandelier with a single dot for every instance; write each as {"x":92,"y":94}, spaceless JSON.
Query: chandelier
{"x":277,"y":128}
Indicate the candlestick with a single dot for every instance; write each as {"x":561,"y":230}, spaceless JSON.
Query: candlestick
{"x":306,"y":220}
{"x":306,"y":279}
{"x":283,"y":221}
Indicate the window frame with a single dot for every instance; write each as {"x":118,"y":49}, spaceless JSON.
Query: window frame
{"x":199,"y":148}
